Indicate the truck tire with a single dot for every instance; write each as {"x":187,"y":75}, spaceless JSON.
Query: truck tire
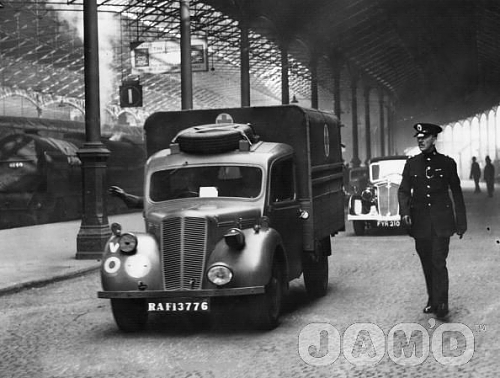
{"x":214,"y":138}
{"x":359,"y":227}
{"x":130,"y":315}
{"x":265,"y":308}
{"x":315,"y":270}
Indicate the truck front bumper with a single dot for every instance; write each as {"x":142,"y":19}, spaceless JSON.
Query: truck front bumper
{"x":203,"y":293}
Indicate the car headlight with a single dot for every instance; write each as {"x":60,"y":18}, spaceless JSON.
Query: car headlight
{"x":367,"y":195}
{"x":128,"y":243}
{"x":219,"y":275}
{"x":358,"y":207}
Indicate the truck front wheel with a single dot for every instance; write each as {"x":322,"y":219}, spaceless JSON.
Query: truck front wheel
{"x":266,"y":308}
{"x":130,"y":315}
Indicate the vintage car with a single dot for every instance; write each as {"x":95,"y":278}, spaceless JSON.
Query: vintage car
{"x":377,"y":205}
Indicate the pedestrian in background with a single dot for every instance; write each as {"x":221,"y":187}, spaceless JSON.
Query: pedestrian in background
{"x":427,"y":211}
{"x":489,"y":176}
{"x":475,"y":173}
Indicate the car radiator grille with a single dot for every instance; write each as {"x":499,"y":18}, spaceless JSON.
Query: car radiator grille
{"x":183,"y":249}
{"x":388,"y":200}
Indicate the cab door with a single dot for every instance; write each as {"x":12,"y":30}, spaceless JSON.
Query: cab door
{"x":283,"y":209}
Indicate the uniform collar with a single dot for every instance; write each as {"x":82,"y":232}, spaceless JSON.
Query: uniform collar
{"x":432,"y":152}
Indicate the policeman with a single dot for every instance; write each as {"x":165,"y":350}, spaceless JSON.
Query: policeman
{"x":428,"y":213}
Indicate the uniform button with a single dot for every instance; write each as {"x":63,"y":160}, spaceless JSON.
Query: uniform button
{"x":428,"y":186}
{"x":428,"y":195}
{"x":428,"y":204}
{"x":428,"y":159}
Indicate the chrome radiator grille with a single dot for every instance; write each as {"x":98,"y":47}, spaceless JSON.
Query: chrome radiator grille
{"x":183,"y":248}
{"x":388,"y":199}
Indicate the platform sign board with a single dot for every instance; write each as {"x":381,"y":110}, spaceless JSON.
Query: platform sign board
{"x":160,"y":57}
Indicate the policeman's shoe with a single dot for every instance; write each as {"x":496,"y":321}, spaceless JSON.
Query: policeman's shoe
{"x":442,"y":310}
{"x":429,"y":309}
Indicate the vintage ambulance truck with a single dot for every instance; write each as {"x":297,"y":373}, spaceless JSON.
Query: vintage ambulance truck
{"x":237,"y":203}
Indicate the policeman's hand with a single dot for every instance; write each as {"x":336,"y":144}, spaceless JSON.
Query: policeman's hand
{"x":116,"y":191}
{"x":460,"y":233}
{"x":406,"y":221}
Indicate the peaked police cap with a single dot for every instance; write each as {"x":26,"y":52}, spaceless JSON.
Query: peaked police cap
{"x":424,"y":129}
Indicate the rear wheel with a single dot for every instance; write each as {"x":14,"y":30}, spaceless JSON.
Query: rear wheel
{"x":266,"y":308}
{"x":315,"y":269}
{"x":359,"y":227}
{"x":130,"y":315}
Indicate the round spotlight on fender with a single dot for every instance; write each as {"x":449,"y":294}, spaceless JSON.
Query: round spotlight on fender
{"x":128,"y":243}
{"x":235,"y":238}
{"x":220,"y":275}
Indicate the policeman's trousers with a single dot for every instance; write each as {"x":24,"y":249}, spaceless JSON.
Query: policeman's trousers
{"x":433,"y":252}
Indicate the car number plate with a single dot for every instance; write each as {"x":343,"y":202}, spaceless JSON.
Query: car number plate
{"x":201,"y":305}
{"x":391,"y":223}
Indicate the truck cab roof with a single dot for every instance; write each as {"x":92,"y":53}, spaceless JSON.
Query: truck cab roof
{"x":260,"y":153}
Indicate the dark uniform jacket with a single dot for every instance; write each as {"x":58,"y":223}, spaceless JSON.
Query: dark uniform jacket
{"x":424,"y":195}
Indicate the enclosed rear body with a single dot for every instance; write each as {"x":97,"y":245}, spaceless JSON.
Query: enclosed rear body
{"x":313,"y":135}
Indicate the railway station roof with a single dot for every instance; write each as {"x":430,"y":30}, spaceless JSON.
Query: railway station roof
{"x":438,"y":57}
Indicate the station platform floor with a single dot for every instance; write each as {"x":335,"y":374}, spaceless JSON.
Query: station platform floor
{"x":34,"y":256}
{"x":38,"y":255}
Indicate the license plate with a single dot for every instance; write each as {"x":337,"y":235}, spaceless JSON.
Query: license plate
{"x":391,"y":223}
{"x":201,"y":305}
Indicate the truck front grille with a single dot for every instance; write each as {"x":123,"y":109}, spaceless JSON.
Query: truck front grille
{"x":388,"y":199}
{"x":183,"y":248}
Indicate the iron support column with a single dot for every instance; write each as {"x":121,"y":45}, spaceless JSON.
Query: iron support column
{"x":245,"y":63}
{"x":186,"y":72}
{"x":367,"y":125}
{"x":354,"y":110}
{"x":285,"y":89}
{"x":94,"y":230}
{"x":382,"y":121}
{"x":336,"y":90}
{"x":314,"y":82}
{"x":390,"y":129}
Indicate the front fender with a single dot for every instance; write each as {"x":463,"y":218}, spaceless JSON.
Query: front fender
{"x":251,"y":266}
{"x":138,"y":271}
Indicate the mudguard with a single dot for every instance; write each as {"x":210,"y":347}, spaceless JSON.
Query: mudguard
{"x":252,"y":265}
{"x":138,"y":271}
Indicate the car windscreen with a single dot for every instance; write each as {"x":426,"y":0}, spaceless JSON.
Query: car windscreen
{"x":211,"y":181}
{"x":386,"y":168}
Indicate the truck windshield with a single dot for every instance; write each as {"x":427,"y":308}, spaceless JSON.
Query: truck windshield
{"x":212,"y":181}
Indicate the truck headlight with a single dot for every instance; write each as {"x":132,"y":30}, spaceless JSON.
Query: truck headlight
{"x":235,"y":238}
{"x":128,"y":243}
{"x":137,"y":266}
{"x":219,"y":275}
